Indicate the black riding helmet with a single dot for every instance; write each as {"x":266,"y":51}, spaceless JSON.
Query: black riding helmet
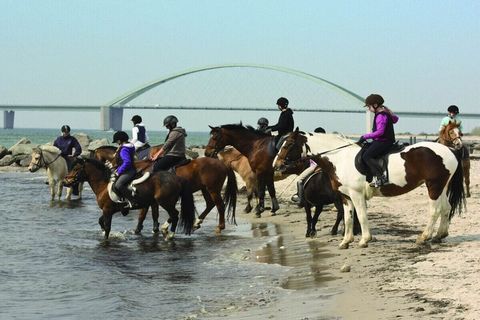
{"x":374,"y":99}
{"x":121,"y":136}
{"x":65,"y":128}
{"x":453,"y":109}
{"x":282,"y":102}
{"x":262,"y":121}
{"x":170,"y":121}
{"x":136,"y":119}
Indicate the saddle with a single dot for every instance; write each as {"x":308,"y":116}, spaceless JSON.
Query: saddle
{"x":180,"y":164}
{"x":115,"y":197}
{"x":317,"y":171}
{"x":143,"y":152}
{"x":382,"y":161}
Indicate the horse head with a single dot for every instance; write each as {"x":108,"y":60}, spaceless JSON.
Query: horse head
{"x":37,"y":161}
{"x":451,"y":136}
{"x":215,"y":143}
{"x":77,"y":173}
{"x":290,"y":150}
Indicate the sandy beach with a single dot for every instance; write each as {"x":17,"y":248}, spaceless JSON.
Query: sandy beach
{"x":391,"y":279}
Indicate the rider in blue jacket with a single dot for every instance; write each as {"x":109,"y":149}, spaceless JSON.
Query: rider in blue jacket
{"x":70,"y":149}
{"x":125,"y":167}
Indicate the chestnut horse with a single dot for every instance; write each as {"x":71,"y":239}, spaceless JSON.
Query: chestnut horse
{"x":258,"y":147}
{"x":425,"y":162}
{"x":203,"y":174}
{"x":233,"y":159}
{"x":320,"y":189}
{"x":451,"y":137}
{"x":162,"y":188}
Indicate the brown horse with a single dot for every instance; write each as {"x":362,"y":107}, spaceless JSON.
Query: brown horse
{"x":450,"y":136}
{"x":321,"y":189}
{"x":258,"y":147}
{"x":162,"y":188}
{"x":233,"y":159}
{"x":203,"y":174}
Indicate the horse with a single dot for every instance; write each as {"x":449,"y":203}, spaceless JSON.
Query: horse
{"x":425,"y":162}
{"x":321,"y":189}
{"x":258,"y":147}
{"x":49,"y":157}
{"x":204,"y":174}
{"x":450,"y":136}
{"x":162,"y":188}
{"x":233,"y":159}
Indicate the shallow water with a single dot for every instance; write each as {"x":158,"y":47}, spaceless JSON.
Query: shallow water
{"x":55,"y":264}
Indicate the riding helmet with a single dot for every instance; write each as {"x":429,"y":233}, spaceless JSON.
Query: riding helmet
{"x":453,"y":109}
{"x":136,"y":119}
{"x":262,"y":121}
{"x":282,"y":102}
{"x":374,"y":99}
{"x":65,"y":128}
{"x":120,"y":135}
{"x":170,"y":121}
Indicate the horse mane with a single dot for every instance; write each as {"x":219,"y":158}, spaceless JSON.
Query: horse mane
{"x":247,"y":128}
{"x":329,"y":169}
{"x":49,"y":148}
{"x":106,"y":147}
{"x":97,"y":164}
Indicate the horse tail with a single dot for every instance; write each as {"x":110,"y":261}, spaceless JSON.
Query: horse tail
{"x":230,"y":196}
{"x":455,"y":191}
{"x":187,"y":208}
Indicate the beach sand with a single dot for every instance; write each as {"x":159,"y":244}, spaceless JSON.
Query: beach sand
{"x":391,"y":279}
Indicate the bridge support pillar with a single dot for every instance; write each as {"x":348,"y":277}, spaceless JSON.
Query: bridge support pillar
{"x":8,"y":117}
{"x":111,"y":118}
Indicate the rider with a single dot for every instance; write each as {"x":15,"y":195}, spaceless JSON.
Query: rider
{"x":262,"y":125}
{"x":285,"y":120}
{"x":173,"y":150}
{"x":69,"y":149}
{"x":453,"y":112}
{"x":125,"y":169}
{"x":139,"y":137}
{"x":383,"y":136}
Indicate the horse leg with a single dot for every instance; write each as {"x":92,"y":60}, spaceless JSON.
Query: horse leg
{"x":271,"y":192}
{"x":209,"y":204}
{"x":107,"y":220}
{"x":318,"y":210}
{"x":69,"y":194}
{"x":51,"y":185}
{"x":80,"y":190}
{"x":308,"y":216}
{"x":435,"y":207}
{"x":340,"y":213}
{"x":156,"y":225}
{"x":442,"y":231}
{"x":360,"y":206}
{"x":173,"y":213}
{"x":60,"y":190}
{"x":101,"y":222}
{"x":141,"y":218}
{"x":217,"y":198}
{"x":261,"y":197}
{"x":249,"y":207}
{"x":466,"y":175}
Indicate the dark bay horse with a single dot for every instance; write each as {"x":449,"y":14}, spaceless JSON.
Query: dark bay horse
{"x":203,"y":174}
{"x":425,"y":162}
{"x":451,"y":137}
{"x":258,"y":147}
{"x":161,"y":189}
{"x":320,"y":189}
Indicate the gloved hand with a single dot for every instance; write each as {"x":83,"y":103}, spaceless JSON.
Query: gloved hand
{"x":361,"y":141}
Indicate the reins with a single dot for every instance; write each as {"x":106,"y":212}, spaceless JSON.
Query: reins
{"x":341,"y":147}
{"x":46,"y":164}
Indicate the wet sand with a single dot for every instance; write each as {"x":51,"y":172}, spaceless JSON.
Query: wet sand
{"x":391,"y":279}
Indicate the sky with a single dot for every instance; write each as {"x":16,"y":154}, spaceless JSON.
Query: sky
{"x":419,"y":55}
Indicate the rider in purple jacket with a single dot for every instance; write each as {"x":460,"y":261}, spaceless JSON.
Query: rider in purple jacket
{"x":68,"y":145}
{"x":383,"y":136}
{"x":125,"y":167}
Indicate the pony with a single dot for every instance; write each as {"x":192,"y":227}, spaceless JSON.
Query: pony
{"x":425,"y":162}
{"x":258,"y":147}
{"x":321,"y":189}
{"x":161,"y":189}
{"x":450,"y":136}
{"x":49,"y":157}
{"x":233,"y":159}
{"x":207,"y":175}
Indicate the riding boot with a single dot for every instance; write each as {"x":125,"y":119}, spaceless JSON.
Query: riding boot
{"x":300,"y":193}
{"x":75,"y":189}
{"x":379,"y":181}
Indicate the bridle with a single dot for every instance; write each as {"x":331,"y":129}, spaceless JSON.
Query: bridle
{"x":42,"y":159}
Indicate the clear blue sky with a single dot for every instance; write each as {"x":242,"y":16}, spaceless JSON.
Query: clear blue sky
{"x":420,"y":55}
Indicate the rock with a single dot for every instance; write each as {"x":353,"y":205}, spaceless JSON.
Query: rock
{"x":83,"y":139}
{"x":7,"y":160}
{"x":191,"y":154}
{"x":23,"y":149}
{"x":20,"y":142}
{"x":345,"y":268}
{"x":97,"y":143}
{"x":3,"y":151}
{"x":23,"y":160}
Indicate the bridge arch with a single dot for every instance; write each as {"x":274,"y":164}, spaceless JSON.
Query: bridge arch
{"x":131,"y":95}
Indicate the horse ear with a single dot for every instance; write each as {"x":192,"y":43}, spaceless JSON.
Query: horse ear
{"x":211,"y":127}
{"x":296,"y":129}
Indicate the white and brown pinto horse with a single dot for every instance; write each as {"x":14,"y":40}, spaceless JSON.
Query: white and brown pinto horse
{"x":451,"y":136}
{"x":425,"y":162}
{"x":49,"y":157}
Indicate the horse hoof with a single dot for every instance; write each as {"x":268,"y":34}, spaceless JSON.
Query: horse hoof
{"x":138,"y":231}
{"x":363,"y":244}
{"x":155,"y":231}
{"x":273,"y":214}
{"x":343,"y":246}
{"x":258,"y":215}
{"x":436,"y":239}
{"x":420,"y":240}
